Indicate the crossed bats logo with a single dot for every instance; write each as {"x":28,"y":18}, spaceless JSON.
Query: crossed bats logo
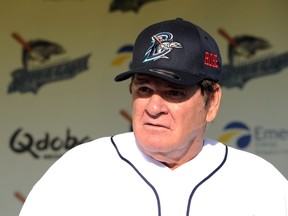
{"x":161,"y":44}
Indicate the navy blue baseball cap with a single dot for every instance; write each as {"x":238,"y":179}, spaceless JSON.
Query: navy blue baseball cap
{"x":177,"y":51}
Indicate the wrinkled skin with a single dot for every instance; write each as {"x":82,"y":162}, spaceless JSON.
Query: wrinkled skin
{"x":169,"y":120}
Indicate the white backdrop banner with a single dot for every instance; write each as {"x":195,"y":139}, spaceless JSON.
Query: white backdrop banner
{"x":58,"y":59}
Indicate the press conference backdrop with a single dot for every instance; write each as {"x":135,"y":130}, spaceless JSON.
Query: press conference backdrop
{"x":58,"y":59}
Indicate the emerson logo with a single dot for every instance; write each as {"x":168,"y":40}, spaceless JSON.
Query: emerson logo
{"x":238,"y":131}
{"x":266,"y":140}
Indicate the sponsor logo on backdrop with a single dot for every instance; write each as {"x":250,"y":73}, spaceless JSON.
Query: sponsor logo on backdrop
{"x":128,"y":5}
{"x":265,"y":140}
{"x":124,"y":54}
{"x":44,"y":62}
{"x":47,"y":146}
{"x":239,"y":131}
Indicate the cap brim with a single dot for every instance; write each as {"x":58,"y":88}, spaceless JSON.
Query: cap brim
{"x":176,"y":77}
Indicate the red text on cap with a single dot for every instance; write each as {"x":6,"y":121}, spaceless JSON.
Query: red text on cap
{"x":211,"y":60}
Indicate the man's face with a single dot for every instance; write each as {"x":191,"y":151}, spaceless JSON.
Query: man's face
{"x":167,"y":118}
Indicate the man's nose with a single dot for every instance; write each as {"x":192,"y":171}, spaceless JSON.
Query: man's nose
{"x":156,"y":105}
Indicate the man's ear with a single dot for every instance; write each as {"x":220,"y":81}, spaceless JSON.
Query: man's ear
{"x":214,"y":103}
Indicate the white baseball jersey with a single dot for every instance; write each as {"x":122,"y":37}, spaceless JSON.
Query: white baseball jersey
{"x":111,"y":176}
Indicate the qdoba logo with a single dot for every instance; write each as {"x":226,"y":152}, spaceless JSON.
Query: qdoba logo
{"x":266,"y":140}
{"x":47,"y":147}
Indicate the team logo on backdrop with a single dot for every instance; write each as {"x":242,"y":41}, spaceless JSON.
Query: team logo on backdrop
{"x":265,"y":140}
{"x":249,"y":59}
{"x":43,"y":62}
{"x":162,"y":44}
{"x":128,"y":5}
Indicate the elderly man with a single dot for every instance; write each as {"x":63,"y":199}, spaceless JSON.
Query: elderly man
{"x":166,"y":166}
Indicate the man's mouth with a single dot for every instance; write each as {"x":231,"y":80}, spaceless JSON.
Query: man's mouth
{"x":156,"y":125}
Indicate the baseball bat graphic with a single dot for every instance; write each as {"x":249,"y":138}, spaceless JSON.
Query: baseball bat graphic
{"x":20,"y":197}
{"x":157,"y":39}
{"x":18,"y":38}
{"x":27,"y":47}
{"x":233,"y":42}
{"x":228,"y":37}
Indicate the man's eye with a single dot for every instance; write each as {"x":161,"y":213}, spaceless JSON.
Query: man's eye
{"x":175,"y":96}
{"x":176,"y":93}
{"x":144,"y":91}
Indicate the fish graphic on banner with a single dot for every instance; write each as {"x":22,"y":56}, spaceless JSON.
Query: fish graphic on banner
{"x":38,"y":70}
{"x":237,"y":75}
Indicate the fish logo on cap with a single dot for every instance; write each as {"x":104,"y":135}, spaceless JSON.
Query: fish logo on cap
{"x":162,"y":44}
